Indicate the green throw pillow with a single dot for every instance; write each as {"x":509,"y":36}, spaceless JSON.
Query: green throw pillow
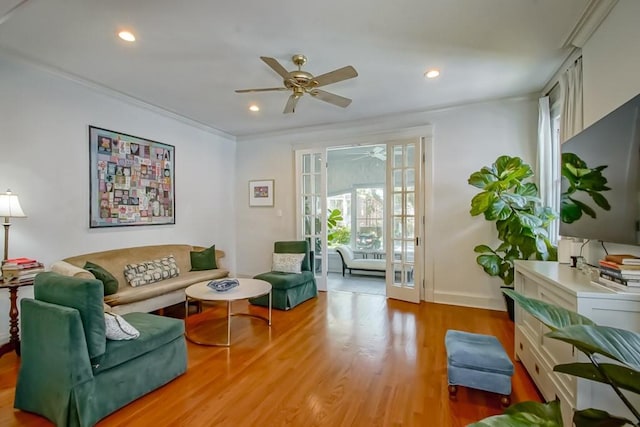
{"x":204,"y":260}
{"x":109,"y":282}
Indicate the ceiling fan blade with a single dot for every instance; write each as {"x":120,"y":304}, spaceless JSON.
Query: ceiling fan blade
{"x":275,"y":66}
{"x":359,"y":158}
{"x":335,"y":76}
{"x":331,"y":98}
{"x":267,"y":89}
{"x":291,"y":104}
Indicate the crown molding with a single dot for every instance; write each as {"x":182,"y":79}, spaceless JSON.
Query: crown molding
{"x":594,"y":13}
{"x":107,"y":91}
{"x":416,"y":119}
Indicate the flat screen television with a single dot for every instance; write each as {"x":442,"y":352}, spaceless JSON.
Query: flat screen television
{"x":600,"y":188}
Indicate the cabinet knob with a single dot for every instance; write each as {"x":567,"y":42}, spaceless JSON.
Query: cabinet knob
{"x":521,"y":347}
{"x":537,"y":369}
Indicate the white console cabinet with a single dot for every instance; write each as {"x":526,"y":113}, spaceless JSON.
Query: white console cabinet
{"x":567,"y":287}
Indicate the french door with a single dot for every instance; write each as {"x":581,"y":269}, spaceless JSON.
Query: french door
{"x":404,"y":219}
{"x":311,"y":208}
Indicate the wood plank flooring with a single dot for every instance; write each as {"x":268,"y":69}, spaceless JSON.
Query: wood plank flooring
{"x":339,"y":360}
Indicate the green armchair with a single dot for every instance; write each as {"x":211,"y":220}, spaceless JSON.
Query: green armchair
{"x":70,"y":373}
{"x":290,"y":289}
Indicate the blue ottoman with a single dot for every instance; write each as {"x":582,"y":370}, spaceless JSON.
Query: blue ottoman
{"x":478,"y":361}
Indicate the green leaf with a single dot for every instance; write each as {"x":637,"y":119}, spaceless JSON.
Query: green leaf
{"x":594,"y":181}
{"x":597,"y":418}
{"x":600,"y":200}
{"x":490,"y":264}
{"x":515,"y":420}
{"x":622,"y":376}
{"x":481,"y":202}
{"x":514,"y":200}
{"x":541,"y":246}
{"x":618,"y":344}
{"x":498,"y":210}
{"x":528,"y":189}
{"x":482,"y":249}
{"x":585,"y":208}
{"x":526,"y":414}
{"x":547,"y":411}
{"x":573,"y":159}
{"x":569,"y":211}
{"x":508,"y":279}
{"x":529,"y":220}
{"x":480,"y":179}
{"x":552,"y":316}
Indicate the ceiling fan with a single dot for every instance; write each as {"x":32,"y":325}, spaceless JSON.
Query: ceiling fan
{"x":377,"y":152}
{"x":301,"y":82}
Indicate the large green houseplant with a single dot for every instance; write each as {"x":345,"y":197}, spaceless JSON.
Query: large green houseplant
{"x":521,"y":221}
{"x":594,"y":341}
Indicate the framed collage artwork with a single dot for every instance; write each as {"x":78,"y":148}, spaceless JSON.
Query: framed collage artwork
{"x":132,"y":180}
{"x":261,"y":192}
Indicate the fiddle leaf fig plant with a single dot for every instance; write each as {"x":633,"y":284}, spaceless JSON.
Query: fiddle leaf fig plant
{"x":596,"y":342}
{"x":521,"y":220}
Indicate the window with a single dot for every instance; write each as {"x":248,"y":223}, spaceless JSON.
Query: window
{"x":369,"y":218}
{"x":365,"y":215}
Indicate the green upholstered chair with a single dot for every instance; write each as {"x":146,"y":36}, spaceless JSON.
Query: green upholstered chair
{"x":290,"y":289}
{"x":70,"y":373}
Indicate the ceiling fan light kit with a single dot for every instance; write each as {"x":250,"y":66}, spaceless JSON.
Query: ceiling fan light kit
{"x":300,"y":82}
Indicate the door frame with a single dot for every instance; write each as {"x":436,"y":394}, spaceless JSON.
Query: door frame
{"x":351,"y":137}
{"x":321,"y":193}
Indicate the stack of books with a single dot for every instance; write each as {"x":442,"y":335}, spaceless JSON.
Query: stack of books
{"x":21,"y":269}
{"x":621,"y":271}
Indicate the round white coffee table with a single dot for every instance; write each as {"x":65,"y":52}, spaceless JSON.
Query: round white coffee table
{"x":248,"y":288}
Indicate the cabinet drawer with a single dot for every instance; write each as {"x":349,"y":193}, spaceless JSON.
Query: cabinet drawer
{"x":526,"y":352}
{"x":556,"y":352}
{"x":567,"y":403}
{"x":530,"y":288}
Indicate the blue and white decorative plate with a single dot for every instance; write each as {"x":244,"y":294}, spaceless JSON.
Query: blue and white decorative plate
{"x":223,"y":285}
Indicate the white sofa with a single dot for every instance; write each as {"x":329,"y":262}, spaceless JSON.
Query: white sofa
{"x":350,"y":262}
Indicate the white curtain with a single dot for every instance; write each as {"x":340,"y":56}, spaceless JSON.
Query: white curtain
{"x":571,"y":101}
{"x":545,"y":152}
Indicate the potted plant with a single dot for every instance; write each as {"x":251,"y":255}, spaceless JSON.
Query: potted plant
{"x":520,"y":219}
{"x":594,"y":341}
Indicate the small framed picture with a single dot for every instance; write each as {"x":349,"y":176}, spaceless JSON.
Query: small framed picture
{"x":261,"y":192}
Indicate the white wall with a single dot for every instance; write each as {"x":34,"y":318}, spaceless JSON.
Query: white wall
{"x":44,"y":158}
{"x":611,"y":63}
{"x":611,"y":71}
{"x":464,"y":139}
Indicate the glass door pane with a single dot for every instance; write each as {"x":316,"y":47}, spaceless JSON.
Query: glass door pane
{"x":311,"y":216}
{"x":404,"y":172}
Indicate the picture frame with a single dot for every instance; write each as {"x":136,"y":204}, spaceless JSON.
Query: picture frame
{"x":132,"y":180}
{"x":261,"y":193}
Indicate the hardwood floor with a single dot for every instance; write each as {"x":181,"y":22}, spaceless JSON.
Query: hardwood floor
{"x":339,"y":360}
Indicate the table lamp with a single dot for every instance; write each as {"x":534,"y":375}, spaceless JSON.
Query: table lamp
{"x":9,"y":208}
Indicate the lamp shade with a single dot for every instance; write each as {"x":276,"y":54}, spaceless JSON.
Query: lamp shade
{"x":10,"y":205}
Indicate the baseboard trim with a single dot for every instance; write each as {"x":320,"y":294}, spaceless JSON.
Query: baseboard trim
{"x":466,"y":300}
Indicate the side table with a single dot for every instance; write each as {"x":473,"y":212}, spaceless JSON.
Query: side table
{"x":14,"y":331}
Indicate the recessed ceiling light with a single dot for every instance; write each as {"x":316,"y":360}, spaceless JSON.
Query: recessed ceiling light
{"x":254,"y":108}
{"x":127,"y":36}
{"x":432,"y":74}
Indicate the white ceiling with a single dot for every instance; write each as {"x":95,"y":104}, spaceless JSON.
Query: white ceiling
{"x":190,"y":55}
